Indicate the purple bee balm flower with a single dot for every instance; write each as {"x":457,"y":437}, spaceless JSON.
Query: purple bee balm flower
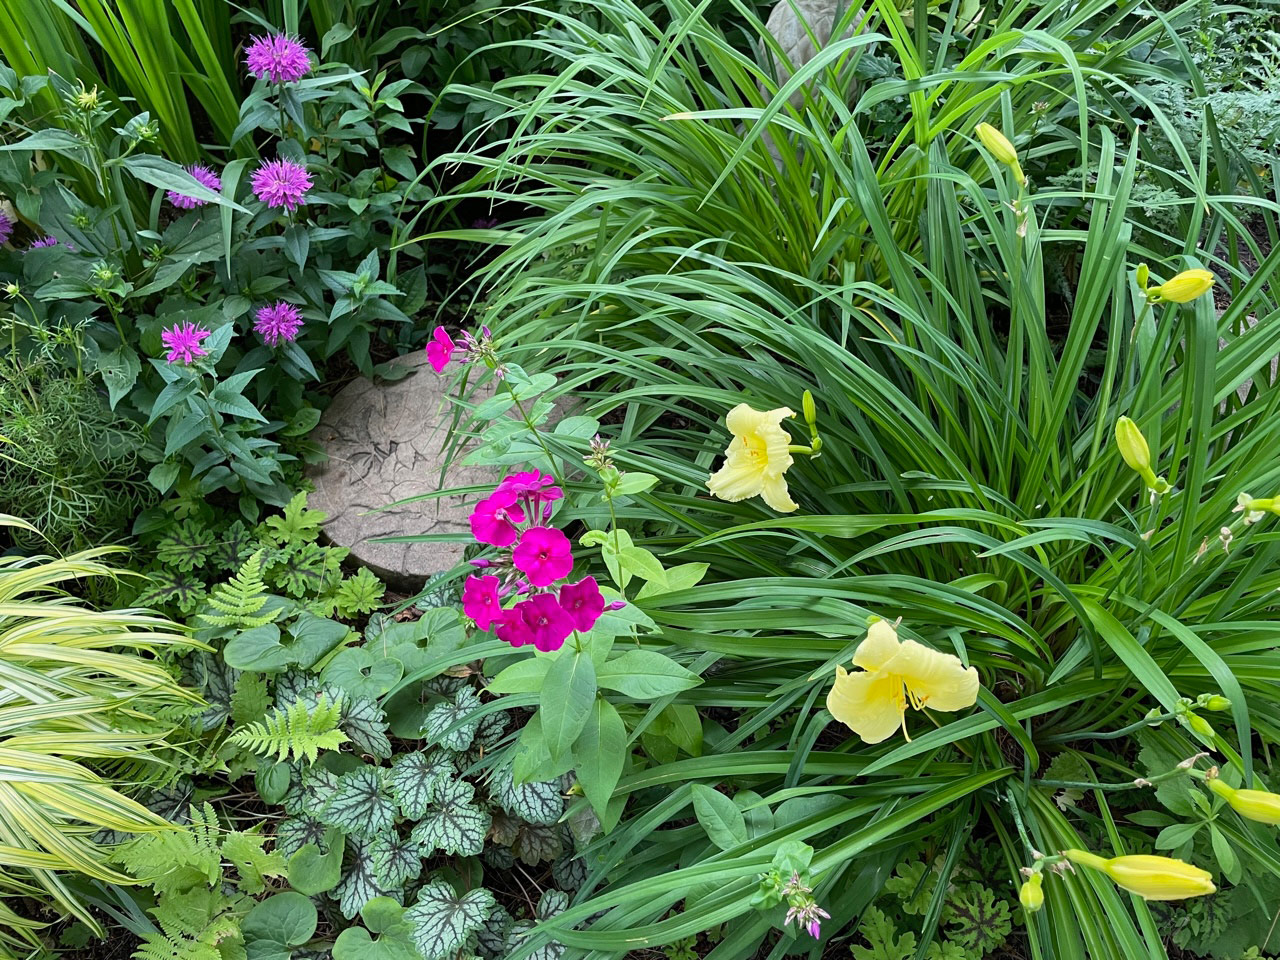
{"x":281,"y":183}
{"x":49,"y":241}
{"x":279,"y":58}
{"x":6,"y":229}
{"x":183,"y":341}
{"x":207,"y":179}
{"x":280,"y":321}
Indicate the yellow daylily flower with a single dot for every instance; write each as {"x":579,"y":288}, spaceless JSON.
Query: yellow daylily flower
{"x":1150,"y":877}
{"x":873,"y":703}
{"x":1259,"y":805}
{"x":757,"y":458}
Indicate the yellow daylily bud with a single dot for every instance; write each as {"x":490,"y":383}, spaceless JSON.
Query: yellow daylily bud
{"x":1030,"y":895}
{"x":997,"y":144}
{"x":1144,"y":277}
{"x":1150,"y":877}
{"x":1259,"y":805}
{"x":1217,"y":703}
{"x":810,"y":409}
{"x":1133,"y":445}
{"x":999,"y":147}
{"x":1200,"y":725}
{"x":1137,"y":455}
{"x":1184,"y":287}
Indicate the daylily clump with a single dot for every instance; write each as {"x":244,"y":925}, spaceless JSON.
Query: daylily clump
{"x":757,"y":459}
{"x":873,"y":702}
{"x":533,"y":558}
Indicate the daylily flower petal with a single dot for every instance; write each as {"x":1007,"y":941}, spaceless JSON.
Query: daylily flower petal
{"x":880,"y":646}
{"x":869,"y":704}
{"x":936,"y":680}
{"x":774,"y":492}
{"x":872,"y":703}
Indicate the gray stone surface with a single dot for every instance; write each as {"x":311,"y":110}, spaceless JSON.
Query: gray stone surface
{"x":796,"y":24}
{"x":386,"y":441}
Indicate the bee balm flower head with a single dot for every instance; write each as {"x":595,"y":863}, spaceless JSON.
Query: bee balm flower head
{"x":1150,"y":877}
{"x":757,"y":459}
{"x":279,"y":58}
{"x":873,"y":702}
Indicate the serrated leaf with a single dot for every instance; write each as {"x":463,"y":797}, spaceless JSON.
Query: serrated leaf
{"x":442,"y":920}
{"x":359,"y":885}
{"x":365,"y":723}
{"x":360,"y":805}
{"x":535,"y":802}
{"x":536,"y":843}
{"x":311,"y":791}
{"x":293,"y":833}
{"x":449,"y":724}
{"x":454,"y":823}
{"x":415,"y":781}
{"x":395,"y":861}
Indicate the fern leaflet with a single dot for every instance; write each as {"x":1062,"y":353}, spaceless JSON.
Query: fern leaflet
{"x":293,"y":732}
{"x":242,"y":601}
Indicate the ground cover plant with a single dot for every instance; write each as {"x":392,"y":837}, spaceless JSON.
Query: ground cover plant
{"x":878,"y":562}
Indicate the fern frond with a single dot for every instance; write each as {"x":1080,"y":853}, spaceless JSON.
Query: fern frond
{"x":293,"y":732}
{"x":241,"y":602}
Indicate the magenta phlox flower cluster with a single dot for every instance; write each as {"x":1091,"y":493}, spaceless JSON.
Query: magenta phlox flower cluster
{"x":442,"y":350}
{"x":533,"y":565}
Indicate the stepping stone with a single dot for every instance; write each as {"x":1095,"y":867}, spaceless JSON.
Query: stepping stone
{"x":386,"y":441}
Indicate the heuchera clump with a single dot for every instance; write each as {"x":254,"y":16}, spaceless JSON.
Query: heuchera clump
{"x":533,"y":562}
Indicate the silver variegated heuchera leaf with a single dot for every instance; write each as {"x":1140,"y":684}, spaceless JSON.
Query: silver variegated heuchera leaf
{"x":448,"y":725}
{"x":454,"y":823}
{"x":443,"y":921}
{"x":293,"y":833}
{"x":365,"y":723}
{"x":535,"y":802}
{"x":360,"y":804}
{"x":395,"y":861}
{"x":416,"y":779}
{"x":358,"y":885}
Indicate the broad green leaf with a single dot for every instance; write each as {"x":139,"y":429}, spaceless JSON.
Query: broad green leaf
{"x":317,"y":867}
{"x":278,"y":924}
{"x":565,"y":700}
{"x":719,"y":816}
{"x":600,"y":753}
{"x":646,"y":675}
